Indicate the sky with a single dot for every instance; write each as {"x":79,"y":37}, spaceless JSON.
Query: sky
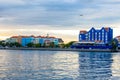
{"x":60,"y":18}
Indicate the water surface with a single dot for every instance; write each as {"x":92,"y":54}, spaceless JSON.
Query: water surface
{"x":58,"y":65}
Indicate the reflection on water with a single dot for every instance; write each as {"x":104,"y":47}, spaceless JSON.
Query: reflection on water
{"x":58,"y":65}
{"x":65,"y":65}
{"x":116,"y":67}
{"x":95,"y":66}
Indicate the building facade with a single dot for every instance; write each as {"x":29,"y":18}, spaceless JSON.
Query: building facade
{"x":104,"y":35}
{"x":118,"y":40}
{"x":26,"y":40}
{"x":43,"y":40}
{"x":12,"y":39}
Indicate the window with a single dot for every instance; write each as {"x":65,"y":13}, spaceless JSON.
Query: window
{"x":96,"y":36}
{"x":80,"y":36}
{"x":103,"y":30}
{"x":106,"y":34}
{"x":102,"y":38}
{"x":92,"y":30}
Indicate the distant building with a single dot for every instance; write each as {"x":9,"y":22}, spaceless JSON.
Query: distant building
{"x":43,"y":40}
{"x":104,"y":35}
{"x":12,"y":39}
{"x":118,"y":39}
{"x":27,"y":39}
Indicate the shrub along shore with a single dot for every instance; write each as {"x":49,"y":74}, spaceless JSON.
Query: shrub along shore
{"x":60,"y":49}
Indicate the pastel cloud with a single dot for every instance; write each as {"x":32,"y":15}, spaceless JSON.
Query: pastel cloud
{"x":58,"y":14}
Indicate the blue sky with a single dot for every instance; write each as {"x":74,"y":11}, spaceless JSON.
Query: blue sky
{"x":57,"y":17}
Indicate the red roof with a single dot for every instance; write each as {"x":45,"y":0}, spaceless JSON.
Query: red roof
{"x":117,"y":36}
{"x":83,"y":31}
{"x":14,"y":37}
{"x":51,"y":37}
{"x":107,"y":28}
{"x":32,"y":36}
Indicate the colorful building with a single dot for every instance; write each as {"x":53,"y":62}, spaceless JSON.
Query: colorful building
{"x":12,"y":39}
{"x":118,"y":39}
{"x":43,"y":40}
{"x":27,"y":39}
{"x":103,"y":35}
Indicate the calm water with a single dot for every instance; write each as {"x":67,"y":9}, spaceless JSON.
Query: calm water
{"x":58,"y":65}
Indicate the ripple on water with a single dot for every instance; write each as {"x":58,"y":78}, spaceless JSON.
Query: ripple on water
{"x":58,"y":65}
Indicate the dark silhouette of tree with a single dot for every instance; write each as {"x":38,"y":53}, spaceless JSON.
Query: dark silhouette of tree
{"x":2,"y":43}
{"x":69,"y":44}
{"x":37,"y":45}
{"x":30,"y":45}
{"x":52,"y":45}
{"x":17,"y":44}
{"x":114,"y":44}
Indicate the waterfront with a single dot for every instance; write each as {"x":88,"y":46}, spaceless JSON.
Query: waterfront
{"x":58,"y":65}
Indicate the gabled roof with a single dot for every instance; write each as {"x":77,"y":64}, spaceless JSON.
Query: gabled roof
{"x":14,"y":37}
{"x":107,"y":28}
{"x":83,"y":31}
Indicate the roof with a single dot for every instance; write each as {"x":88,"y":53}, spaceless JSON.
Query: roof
{"x":22,"y":36}
{"x":83,"y":31}
{"x":14,"y":37}
{"x":106,"y":28}
{"x":118,"y":38}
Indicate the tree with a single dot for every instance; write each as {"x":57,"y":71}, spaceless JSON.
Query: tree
{"x":2,"y":43}
{"x":17,"y":44}
{"x":62,"y":45}
{"x":69,"y":44}
{"x":52,"y":44}
{"x":44,"y":45}
{"x":30,"y":45}
{"x":114,"y":44}
{"x":37,"y":45}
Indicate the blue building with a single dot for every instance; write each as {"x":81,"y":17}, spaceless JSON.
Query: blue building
{"x":40,"y":40}
{"x":104,"y":35}
{"x":26,"y":40}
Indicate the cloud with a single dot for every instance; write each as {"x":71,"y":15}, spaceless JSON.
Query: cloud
{"x":58,"y":14}
{"x":6,"y":4}
{"x":55,"y":12}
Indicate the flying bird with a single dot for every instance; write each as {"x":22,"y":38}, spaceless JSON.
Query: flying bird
{"x":81,"y":15}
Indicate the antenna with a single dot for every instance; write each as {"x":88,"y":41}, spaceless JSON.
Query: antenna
{"x":47,"y":35}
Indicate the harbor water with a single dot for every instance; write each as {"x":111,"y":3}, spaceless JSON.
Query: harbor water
{"x":59,"y":65}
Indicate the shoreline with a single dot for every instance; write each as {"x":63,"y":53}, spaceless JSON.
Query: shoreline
{"x":62,"y":49}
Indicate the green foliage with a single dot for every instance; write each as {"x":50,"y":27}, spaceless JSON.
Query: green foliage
{"x":37,"y":45}
{"x":52,"y":45}
{"x":114,"y":45}
{"x":15,"y":44}
{"x":69,"y":44}
{"x":44,"y":45}
{"x":30,"y":45}
{"x":2,"y":43}
{"x":62,"y":45}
